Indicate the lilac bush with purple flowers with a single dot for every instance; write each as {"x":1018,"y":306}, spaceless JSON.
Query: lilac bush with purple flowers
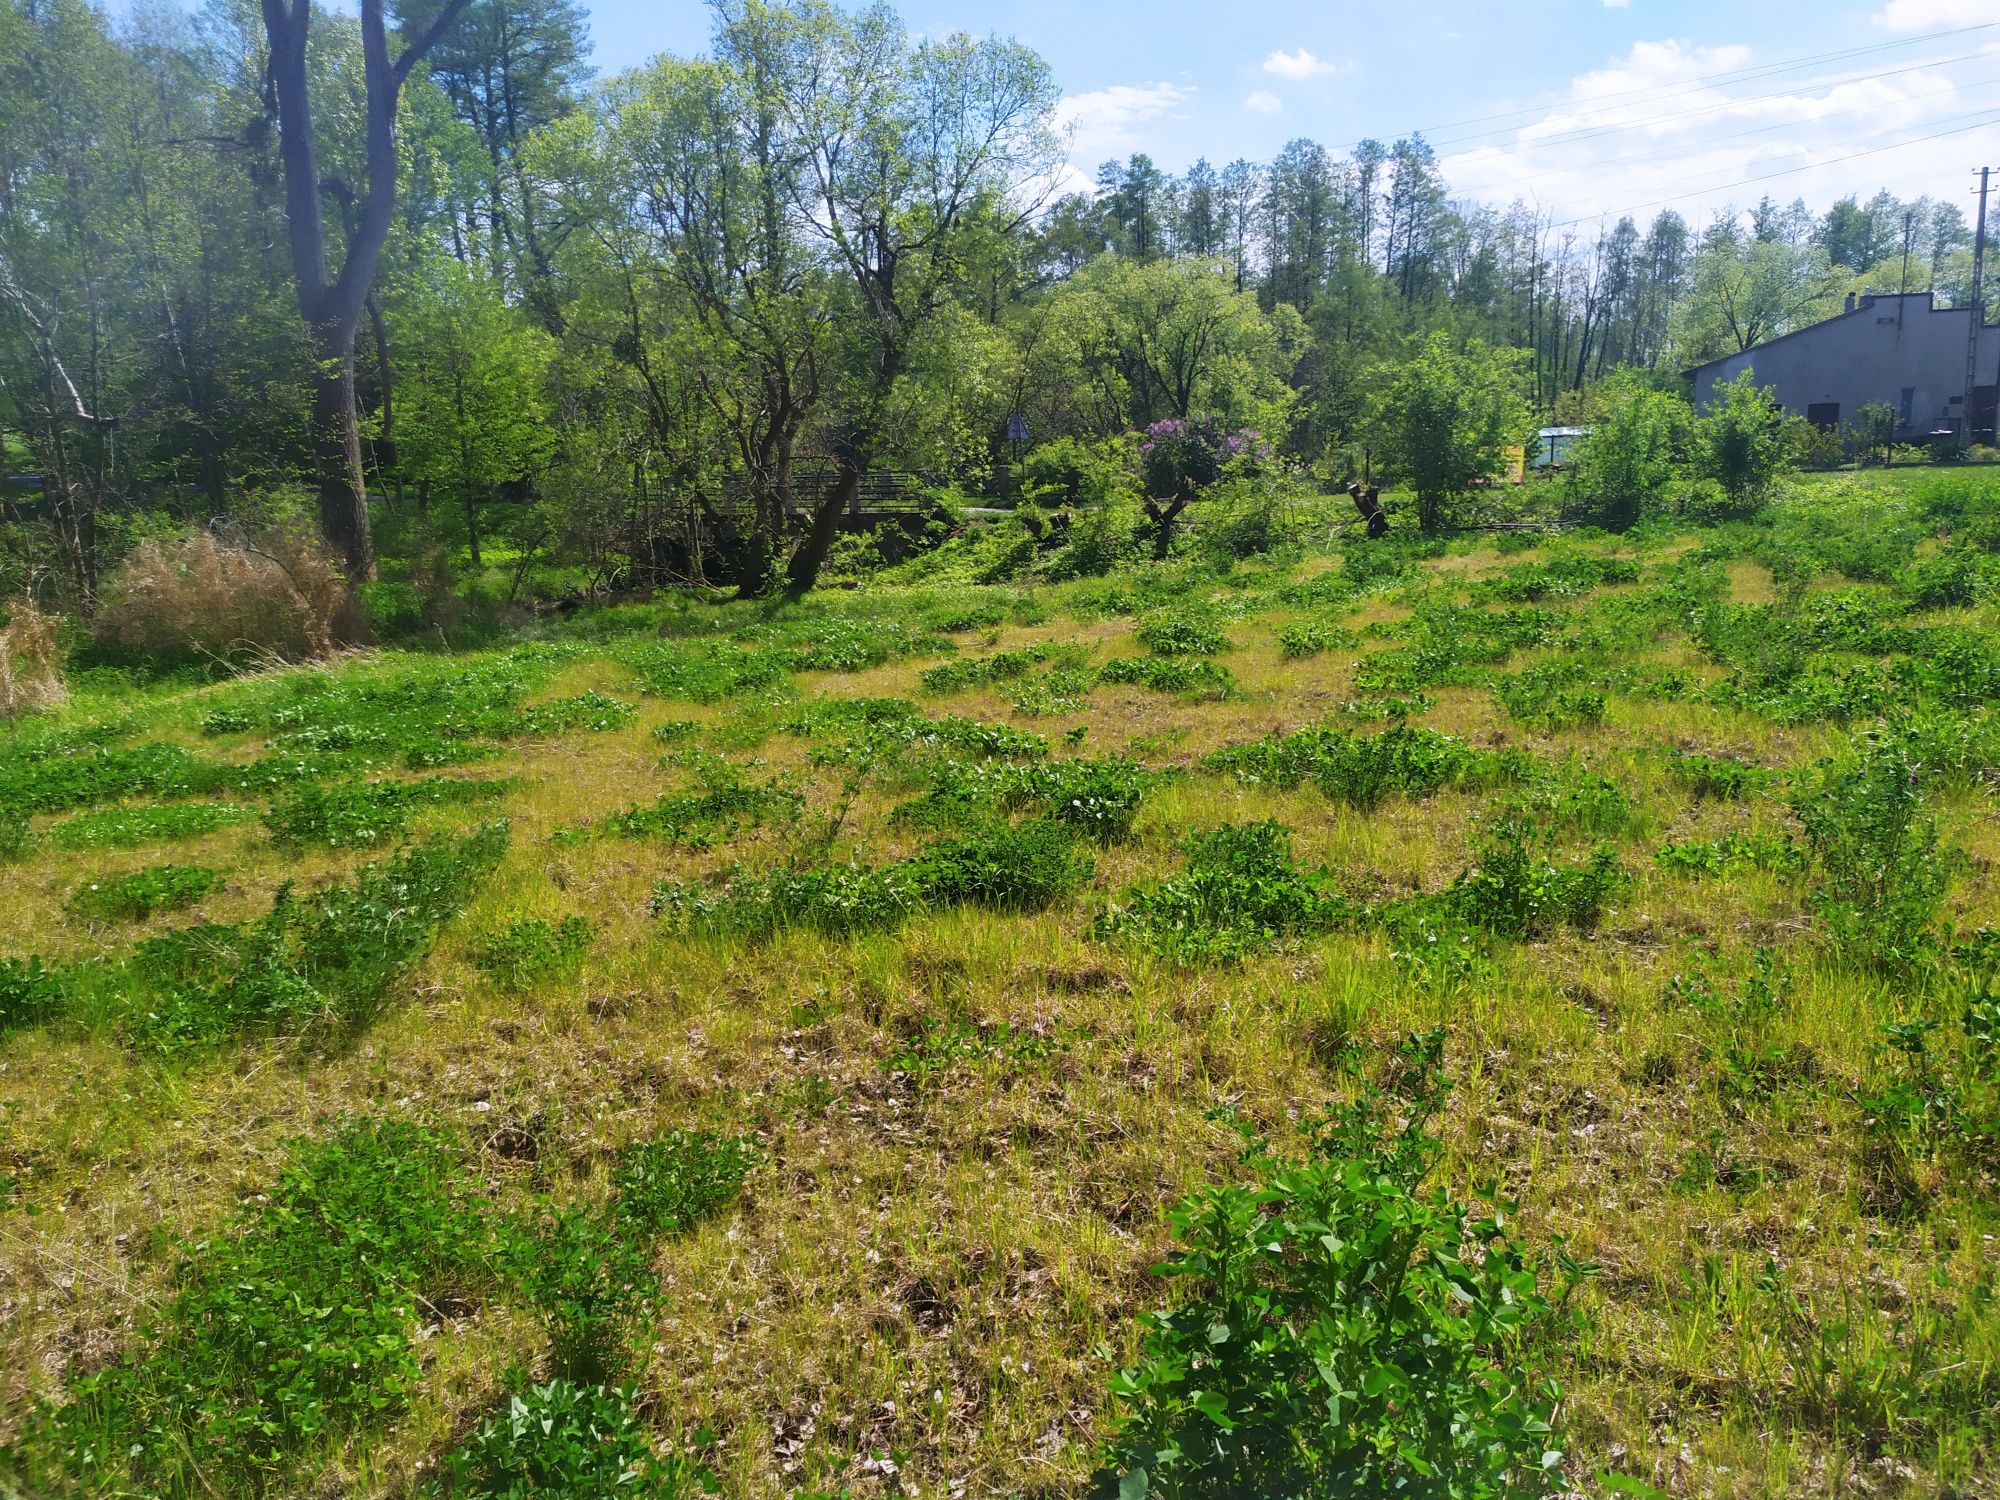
{"x":1193,"y":452}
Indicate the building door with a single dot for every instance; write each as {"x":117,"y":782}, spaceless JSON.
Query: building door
{"x":1824,"y":413}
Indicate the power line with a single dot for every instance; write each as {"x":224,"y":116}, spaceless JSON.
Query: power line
{"x":1738,"y":75}
{"x":1786,"y":172}
{"x":1592,"y":132}
{"x":1737,"y":135}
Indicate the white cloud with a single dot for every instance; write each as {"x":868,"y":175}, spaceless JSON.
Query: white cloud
{"x":1264,"y":102}
{"x":1616,"y":4}
{"x":1104,"y":122}
{"x":1645,"y":128}
{"x":1301,"y":65}
{"x":1932,"y":15}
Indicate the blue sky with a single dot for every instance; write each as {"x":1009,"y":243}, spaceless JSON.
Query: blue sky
{"x":1608,"y":107}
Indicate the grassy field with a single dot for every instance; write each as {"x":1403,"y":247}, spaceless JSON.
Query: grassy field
{"x":803,"y":1020}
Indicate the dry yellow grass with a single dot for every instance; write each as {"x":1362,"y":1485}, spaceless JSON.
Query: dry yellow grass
{"x":913,"y":1295}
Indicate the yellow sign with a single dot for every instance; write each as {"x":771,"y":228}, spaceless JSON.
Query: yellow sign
{"x":1514,"y":462}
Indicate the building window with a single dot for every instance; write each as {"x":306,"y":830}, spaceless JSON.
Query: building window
{"x":1908,"y":404}
{"x":1824,"y":413}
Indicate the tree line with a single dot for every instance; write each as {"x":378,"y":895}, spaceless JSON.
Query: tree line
{"x":270,"y":260}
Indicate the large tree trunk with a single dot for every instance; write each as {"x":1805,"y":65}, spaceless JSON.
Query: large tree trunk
{"x":803,"y":572}
{"x":336,"y":450}
{"x":332,"y":305}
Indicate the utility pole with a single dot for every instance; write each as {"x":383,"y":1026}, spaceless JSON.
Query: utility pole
{"x":1978,"y":312}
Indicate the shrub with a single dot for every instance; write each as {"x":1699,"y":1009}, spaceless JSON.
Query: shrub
{"x":1177,"y":455}
{"x":837,"y":901}
{"x":589,"y":1271}
{"x":1633,"y":451}
{"x":984,"y":671}
{"x":30,"y":662}
{"x":592,"y":711}
{"x":1548,"y":697}
{"x":942,"y":1045}
{"x":1882,"y":872}
{"x":1243,"y":891}
{"x":589,"y":1280}
{"x":696,"y":820}
{"x":533,"y":951}
{"x":1743,"y":441}
{"x":201,"y":598}
{"x":563,"y":1439}
{"x":1006,"y":866}
{"x":61,"y":777}
{"x":1340,"y":1329}
{"x":1514,"y":891}
{"x":1311,"y":637}
{"x":139,"y":895}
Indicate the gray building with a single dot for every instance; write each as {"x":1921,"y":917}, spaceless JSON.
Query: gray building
{"x":1898,"y":348}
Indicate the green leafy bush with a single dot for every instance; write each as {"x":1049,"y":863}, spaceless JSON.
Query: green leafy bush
{"x":134,"y":897}
{"x":838,"y":901}
{"x":533,"y":951}
{"x":725,"y":805}
{"x":589,"y":1271}
{"x":1550,"y":696}
{"x":559,"y":1438}
{"x":30,"y":992}
{"x":668,"y":1185}
{"x":1516,"y":891}
{"x":1181,"y":635}
{"x":1341,"y":1329}
{"x":1004,"y":867}
{"x":1311,"y":637}
{"x":996,"y":666}
{"x":77,"y":774}
{"x":1882,"y":871}
{"x":703,"y":671}
{"x":1023,"y":866}
{"x":1242,"y":892}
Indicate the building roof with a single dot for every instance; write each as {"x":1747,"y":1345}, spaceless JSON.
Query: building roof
{"x":1862,"y":304}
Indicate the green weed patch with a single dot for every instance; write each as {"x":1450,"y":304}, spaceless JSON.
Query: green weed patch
{"x":357,"y":815}
{"x":141,"y":894}
{"x":317,"y":962}
{"x":1242,"y":892}
{"x":129,"y":827}
{"x":533,"y":951}
{"x":1362,"y":770}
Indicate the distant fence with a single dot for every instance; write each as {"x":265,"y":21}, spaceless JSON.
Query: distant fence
{"x":883,"y":493}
